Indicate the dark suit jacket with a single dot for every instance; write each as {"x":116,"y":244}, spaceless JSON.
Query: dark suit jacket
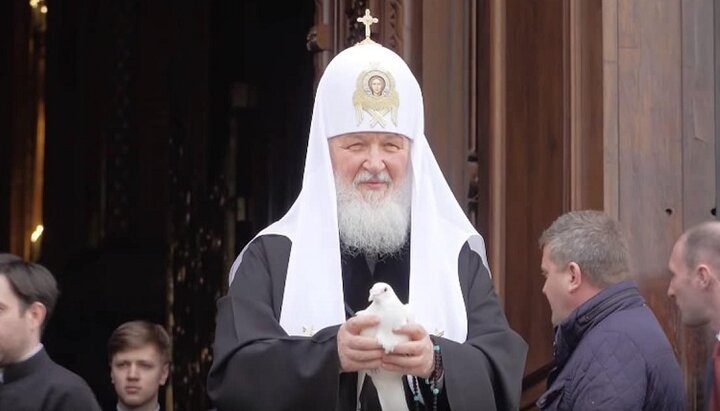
{"x":709,"y":380}
{"x":38,"y":383}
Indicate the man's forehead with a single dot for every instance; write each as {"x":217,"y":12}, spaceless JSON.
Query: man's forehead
{"x":678,"y":250}
{"x":5,"y":286}
{"x":546,"y":253}
{"x":371,"y":135}
{"x":145,"y":351}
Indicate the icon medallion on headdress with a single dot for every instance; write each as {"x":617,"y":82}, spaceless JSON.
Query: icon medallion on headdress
{"x":376,"y":96}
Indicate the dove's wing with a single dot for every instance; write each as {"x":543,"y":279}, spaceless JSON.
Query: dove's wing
{"x":369,"y":331}
{"x":392,"y":317}
{"x":409,"y":314}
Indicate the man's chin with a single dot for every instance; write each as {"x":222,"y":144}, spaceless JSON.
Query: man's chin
{"x":374,"y":196}
{"x":134,"y":400}
{"x":694,"y":321}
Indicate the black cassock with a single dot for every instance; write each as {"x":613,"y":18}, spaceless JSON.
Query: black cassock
{"x":257,"y":366}
{"x":38,"y":383}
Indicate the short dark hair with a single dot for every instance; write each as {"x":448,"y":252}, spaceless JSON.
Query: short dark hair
{"x":30,"y":282}
{"x":136,"y":334}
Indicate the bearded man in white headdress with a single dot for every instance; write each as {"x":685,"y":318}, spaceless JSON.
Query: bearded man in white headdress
{"x":374,"y":207}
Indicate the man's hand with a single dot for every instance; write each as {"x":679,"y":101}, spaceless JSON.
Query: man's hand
{"x":355,"y":351}
{"x":414,"y":357}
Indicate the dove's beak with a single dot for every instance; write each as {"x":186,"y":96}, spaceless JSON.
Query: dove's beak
{"x":371,"y":297}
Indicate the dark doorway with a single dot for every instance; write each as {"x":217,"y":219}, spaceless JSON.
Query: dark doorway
{"x":175,"y":131}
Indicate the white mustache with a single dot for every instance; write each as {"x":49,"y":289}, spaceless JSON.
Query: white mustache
{"x":365,"y":176}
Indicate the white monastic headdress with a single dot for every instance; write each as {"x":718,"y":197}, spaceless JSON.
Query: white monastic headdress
{"x":345,"y":103}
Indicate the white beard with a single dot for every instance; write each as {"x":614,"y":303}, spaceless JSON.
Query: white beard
{"x":375,"y":223}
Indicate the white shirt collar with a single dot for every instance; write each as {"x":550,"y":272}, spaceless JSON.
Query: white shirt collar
{"x":32,"y":352}
{"x":121,"y":407}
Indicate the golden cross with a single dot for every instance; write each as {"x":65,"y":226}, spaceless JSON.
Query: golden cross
{"x":367,"y":20}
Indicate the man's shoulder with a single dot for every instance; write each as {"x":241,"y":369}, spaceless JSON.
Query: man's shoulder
{"x":270,"y":243}
{"x":271,"y":251}
{"x":71,"y":390}
{"x":637,"y":325}
{"x":470,"y":263}
{"x":63,"y":378}
{"x":625,"y":339}
{"x":51,"y":383}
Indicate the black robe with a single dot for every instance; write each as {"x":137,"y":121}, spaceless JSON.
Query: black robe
{"x":709,"y":381}
{"x":38,"y":383}
{"x":257,"y":366}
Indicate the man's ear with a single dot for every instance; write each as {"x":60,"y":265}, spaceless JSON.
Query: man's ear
{"x":703,"y":276}
{"x":37,"y":313}
{"x":165,"y":373}
{"x":575,"y":276}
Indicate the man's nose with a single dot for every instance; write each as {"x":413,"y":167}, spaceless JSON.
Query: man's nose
{"x":133,"y":372}
{"x":544,"y":287}
{"x":375,"y":161}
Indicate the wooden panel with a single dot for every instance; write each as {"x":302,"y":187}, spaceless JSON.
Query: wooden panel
{"x":535,"y":161}
{"x":650,"y":144}
{"x":586,"y":104}
{"x":445,"y":88}
{"x":482,"y":108}
{"x":698,"y":126}
{"x":400,"y":26}
{"x":716,"y":32}
{"x":610,"y":114}
{"x":698,"y":170}
{"x":497,"y":144}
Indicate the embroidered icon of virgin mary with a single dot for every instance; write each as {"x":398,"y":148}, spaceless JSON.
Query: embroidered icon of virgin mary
{"x":376,"y":96}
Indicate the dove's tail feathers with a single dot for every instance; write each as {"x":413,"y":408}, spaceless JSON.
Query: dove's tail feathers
{"x":391,"y":393}
{"x":360,"y":382}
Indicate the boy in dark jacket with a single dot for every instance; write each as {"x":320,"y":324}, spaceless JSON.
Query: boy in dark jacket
{"x":610,"y":351}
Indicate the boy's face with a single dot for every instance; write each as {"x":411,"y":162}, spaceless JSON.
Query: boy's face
{"x":137,"y":375}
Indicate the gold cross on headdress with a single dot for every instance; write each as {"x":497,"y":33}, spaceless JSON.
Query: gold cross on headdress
{"x":367,"y":20}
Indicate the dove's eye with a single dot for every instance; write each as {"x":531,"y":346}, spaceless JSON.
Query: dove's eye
{"x":385,"y":289}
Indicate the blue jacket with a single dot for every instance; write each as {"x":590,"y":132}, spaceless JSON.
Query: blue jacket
{"x":612,"y":354}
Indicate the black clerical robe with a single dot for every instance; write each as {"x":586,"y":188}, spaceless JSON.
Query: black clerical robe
{"x":38,"y":383}
{"x":257,"y":366}
{"x":709,"y":382}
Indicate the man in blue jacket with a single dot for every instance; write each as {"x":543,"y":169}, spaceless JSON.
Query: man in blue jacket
{"x":695,"y":287}
{"x":610,"y":351}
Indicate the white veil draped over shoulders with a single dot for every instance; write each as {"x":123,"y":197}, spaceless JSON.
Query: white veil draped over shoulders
{"x":313,"y":296}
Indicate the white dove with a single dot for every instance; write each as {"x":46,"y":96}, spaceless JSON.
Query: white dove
{"x":393,"y":314}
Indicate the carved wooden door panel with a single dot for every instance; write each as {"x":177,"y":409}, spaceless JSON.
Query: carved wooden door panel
{"x":337,"y":28}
